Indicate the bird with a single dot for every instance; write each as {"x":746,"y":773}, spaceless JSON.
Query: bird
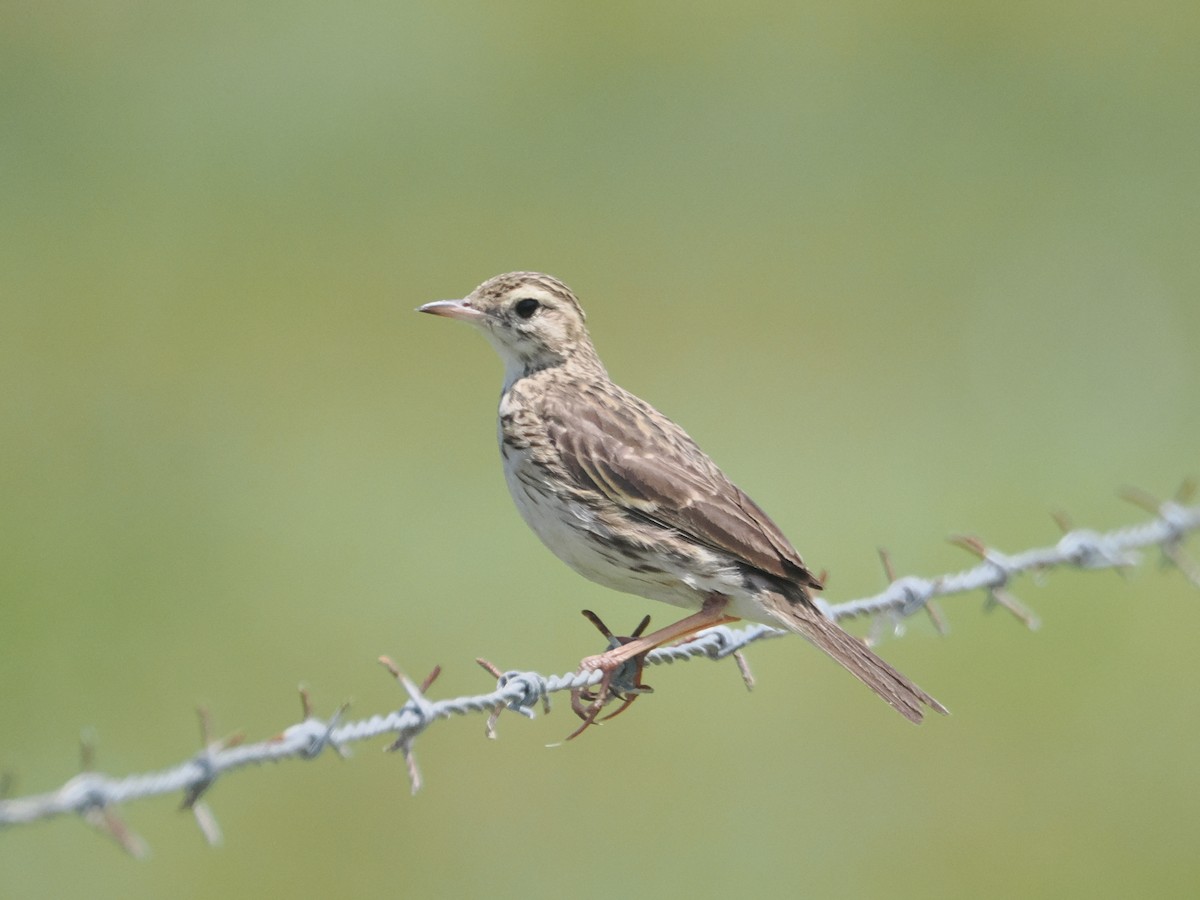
{"x":626,"y":498}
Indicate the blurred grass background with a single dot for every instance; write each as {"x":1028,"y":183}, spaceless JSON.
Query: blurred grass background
{"x":903,"y":269}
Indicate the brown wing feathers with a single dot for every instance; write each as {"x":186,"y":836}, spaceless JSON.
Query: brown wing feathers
{"x":664,"y":477}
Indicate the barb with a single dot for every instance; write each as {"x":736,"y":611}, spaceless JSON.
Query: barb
{"x":95,"y":797}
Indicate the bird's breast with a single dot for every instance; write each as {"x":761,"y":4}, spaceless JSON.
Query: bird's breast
{"x":590,"y":535}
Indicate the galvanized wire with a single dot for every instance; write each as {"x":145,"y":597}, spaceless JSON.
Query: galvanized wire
{"x":95,"y":796}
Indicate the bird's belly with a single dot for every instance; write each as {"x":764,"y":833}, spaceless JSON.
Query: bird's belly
{"x":577,"y":534}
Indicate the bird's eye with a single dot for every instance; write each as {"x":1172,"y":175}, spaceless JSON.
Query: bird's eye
{"x":527,"y":307}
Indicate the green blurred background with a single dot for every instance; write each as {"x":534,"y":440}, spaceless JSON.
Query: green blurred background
{"x":905,"y":270}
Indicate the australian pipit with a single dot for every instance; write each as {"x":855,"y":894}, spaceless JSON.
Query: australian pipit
{"x":623,"y":496}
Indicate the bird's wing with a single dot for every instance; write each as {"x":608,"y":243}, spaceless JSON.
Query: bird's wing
{"x":627,"y":451}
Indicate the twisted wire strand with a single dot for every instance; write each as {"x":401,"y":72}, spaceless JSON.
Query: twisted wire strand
{"x":94,"y":796}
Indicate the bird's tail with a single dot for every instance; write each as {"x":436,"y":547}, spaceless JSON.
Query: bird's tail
{"x":805,"y":619}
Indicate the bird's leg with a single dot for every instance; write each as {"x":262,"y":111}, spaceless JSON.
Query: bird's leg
{"x":635,"y":648}
{"x":710,"y":614}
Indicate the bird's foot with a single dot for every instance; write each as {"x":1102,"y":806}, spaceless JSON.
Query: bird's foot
{"x":622,"y":679}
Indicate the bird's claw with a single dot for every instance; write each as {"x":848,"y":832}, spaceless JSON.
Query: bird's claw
{"x":622,"y":679}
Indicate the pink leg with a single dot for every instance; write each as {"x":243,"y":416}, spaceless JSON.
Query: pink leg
{"x":711,"y":613}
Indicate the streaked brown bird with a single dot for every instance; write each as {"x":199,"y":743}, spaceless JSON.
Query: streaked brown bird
{"x":623,"y":495}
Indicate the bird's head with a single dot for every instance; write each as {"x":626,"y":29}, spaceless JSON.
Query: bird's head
{"x":533,"y":321}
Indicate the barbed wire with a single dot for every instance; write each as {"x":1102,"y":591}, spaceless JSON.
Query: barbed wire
{"x":95,"y":796}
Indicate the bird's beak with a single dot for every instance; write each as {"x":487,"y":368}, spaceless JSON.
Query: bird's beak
{"x":453,"y":309}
